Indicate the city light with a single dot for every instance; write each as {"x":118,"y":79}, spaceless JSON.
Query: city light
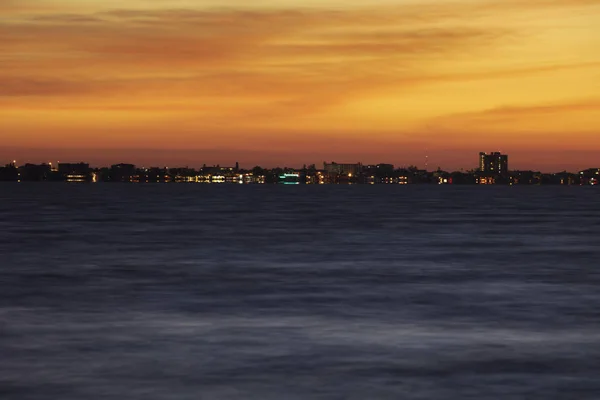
{"x":486,"y":173}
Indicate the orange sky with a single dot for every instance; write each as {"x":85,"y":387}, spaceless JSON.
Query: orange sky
{"x":187,"y":82}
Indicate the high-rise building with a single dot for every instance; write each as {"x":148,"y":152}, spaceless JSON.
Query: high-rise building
{"x":493,"y":163}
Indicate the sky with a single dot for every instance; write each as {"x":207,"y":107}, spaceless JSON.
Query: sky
{"x":282,"y":82}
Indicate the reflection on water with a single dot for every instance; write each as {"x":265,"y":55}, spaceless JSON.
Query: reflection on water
{"x":272,"y":292}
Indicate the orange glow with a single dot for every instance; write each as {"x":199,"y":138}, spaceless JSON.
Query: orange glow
{"x":275,"y":83}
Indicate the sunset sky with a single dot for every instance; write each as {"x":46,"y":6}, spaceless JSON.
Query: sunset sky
{"x":283,"y":82}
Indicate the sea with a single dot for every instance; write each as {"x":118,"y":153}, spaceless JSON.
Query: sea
{"x":267,"y":292}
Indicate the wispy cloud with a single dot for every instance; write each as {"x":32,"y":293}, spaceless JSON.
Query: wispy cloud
{"x":498,"y":114}
{"x":273,"y":66}
{"x":294,"y":60}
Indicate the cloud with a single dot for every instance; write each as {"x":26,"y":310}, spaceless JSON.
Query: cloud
{"x":508,"y":112}
{"x":11,"y":86}
{"x":502,"y":73}
{"x":167,"y":34}
{"x":287,"y":60}
{"x":10,"y":8}
{"x":279,"y":68}
{"x":155,"y":41}
{"x":65,"y":19}
{"x":550,"y":124}
{"x":582,"y":105}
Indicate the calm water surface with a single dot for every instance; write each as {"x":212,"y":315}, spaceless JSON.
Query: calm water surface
{"x":115,"y":291}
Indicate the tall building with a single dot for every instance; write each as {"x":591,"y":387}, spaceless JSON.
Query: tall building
{"x":493,"y":163}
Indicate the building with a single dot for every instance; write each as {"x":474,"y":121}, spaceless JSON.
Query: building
{"x":525,"y":178}
{"x":10,"y":172}
{"x":217,"y":169}
{"x":590,"y":176}
{"x":79,"y":172}
{"x":34,"y":172}
{"x":493,"y":163}
{"x":123,"y":173}
{"x":379,"y":170}
{"x":155,"y":175}
{"x":290,"y":178}
{"x":342,"y":169}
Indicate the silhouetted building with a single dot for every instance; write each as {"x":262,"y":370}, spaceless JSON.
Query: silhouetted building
{"x":184,"y":174}
{"x":379,"y":170}
{"x":312,"y":176}
{"x":123,"y":173}
{"x":342,"y":169}
{"x":34,"y":172}
{"x":9,"y":173}
{"x":79,"y":172}
{"x":493,"y":163}
{"x":442,"y":177}
{"x":590,"y":176}
{"x":156,"y":175}
{"x":218,"y":170}
{"x":493,"y":170}
{"x":525,"y":178}
{"x":462,"y":178}
{"x":290,"y":178}
{"x":485,"y":180}
{"x":560,"y":178}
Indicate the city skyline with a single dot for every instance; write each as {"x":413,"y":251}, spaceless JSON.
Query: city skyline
{"x":493,"y":170}
{"x":463,"y":161}
{"x":278,"y":83}
{"x":494,"y":163}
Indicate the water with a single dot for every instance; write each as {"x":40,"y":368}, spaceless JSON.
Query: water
{"x":115,"y":291}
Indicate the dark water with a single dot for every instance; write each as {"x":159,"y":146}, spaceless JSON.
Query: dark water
{"x":268,"y":292}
